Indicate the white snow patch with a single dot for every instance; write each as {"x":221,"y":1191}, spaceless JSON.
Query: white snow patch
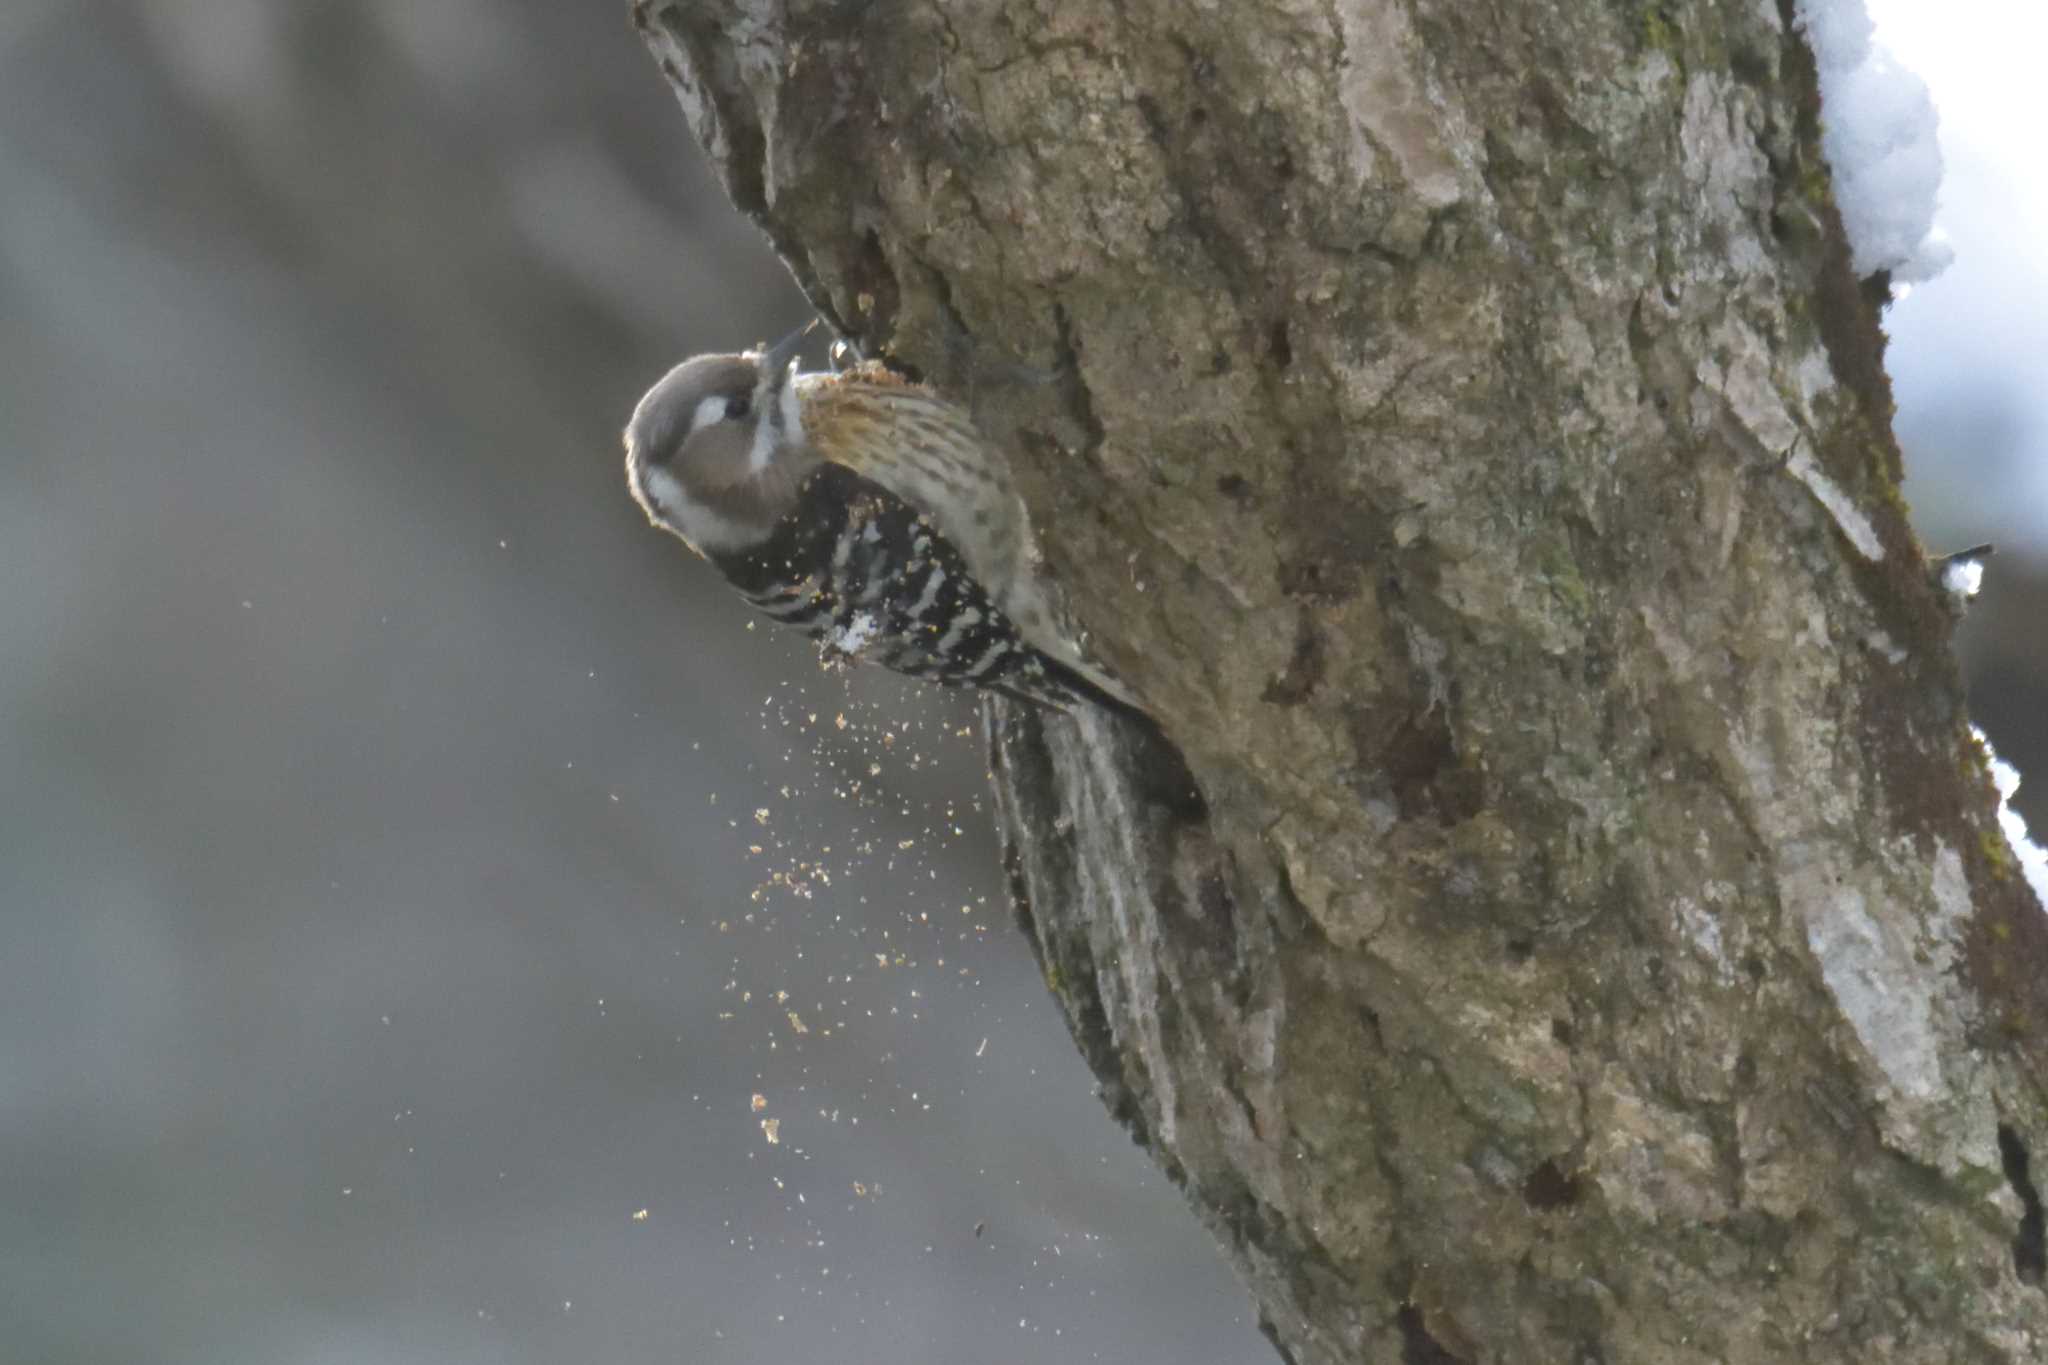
{"x":1878,"y":133}
{"x":1963,"y":577}
{"x":2032,"y":857}
{"x":1840,"y":506}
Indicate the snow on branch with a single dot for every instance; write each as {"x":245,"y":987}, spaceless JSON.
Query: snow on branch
{"x":2033,"y":858}
{"x":1878,"y":133}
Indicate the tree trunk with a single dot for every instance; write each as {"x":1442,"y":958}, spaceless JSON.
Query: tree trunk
{"x":1460,"y":422}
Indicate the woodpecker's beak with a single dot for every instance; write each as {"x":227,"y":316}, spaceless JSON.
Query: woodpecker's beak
{"x":776,"y":413}
{"x":775,"y":360}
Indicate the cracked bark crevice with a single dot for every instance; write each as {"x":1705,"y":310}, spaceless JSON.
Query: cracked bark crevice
{"x":1582,"y":946}
{"x":2030,"y":1240}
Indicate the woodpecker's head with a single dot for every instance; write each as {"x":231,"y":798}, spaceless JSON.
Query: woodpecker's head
{"x":716,"y":450}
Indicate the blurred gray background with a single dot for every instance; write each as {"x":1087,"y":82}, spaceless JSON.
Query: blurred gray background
{"x":413,"y":865}
{"x":421,"y":892}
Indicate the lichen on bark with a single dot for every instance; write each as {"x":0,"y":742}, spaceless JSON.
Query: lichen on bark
{"x":1460,"y":423}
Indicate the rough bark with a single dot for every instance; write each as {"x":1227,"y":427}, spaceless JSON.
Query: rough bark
{"x":1460,"y":422}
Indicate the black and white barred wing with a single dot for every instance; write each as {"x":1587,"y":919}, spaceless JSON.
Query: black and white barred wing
{"x":860,"y":570}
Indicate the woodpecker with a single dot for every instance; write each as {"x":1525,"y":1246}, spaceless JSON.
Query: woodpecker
{"x":865,"y":511}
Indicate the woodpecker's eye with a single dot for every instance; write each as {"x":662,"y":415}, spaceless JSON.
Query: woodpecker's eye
{"x":736,"y":408}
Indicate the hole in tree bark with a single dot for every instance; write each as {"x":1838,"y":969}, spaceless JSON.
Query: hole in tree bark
{"x":874,"y":293}
{"x":1549,"y":1188}
{"x":1281,"y":346}
{"x":1370,"y":1021}
{"x":2030,"y":1245}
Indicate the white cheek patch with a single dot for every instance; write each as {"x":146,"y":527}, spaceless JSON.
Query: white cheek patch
{"x":706,"y":532}
{"x":709,"y":410}
{"x":657,"y":490}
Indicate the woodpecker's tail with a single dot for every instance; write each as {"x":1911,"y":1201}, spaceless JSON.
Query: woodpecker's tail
{"x":1151,"y":761}
{"x":1050,"y":683}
